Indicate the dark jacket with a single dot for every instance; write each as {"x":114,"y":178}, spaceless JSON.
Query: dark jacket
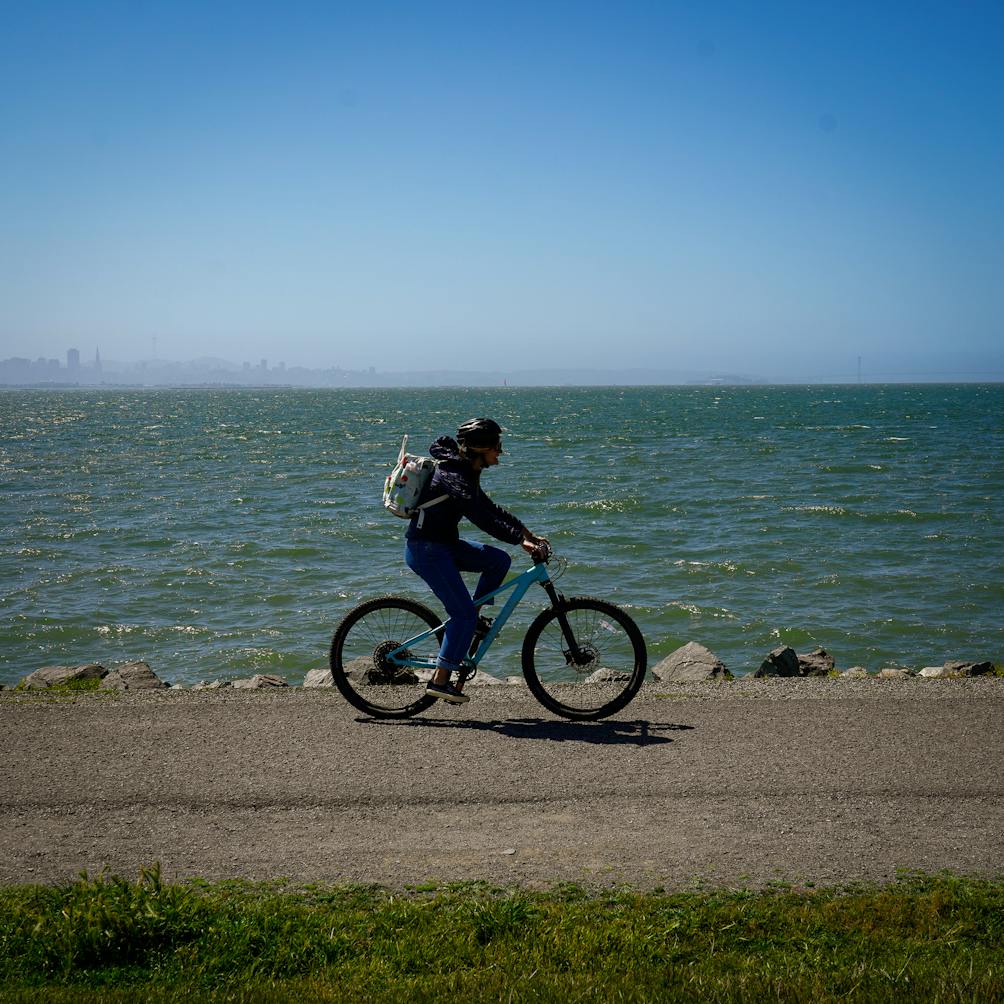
{"x":455,"y":477}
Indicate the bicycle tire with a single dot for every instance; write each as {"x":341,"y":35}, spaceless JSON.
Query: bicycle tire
{"x":356,"y":669}
{"x":610,"y":643}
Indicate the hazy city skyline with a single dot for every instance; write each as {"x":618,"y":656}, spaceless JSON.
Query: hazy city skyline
{"x":98,"y":372}
{"x":774,"y":189}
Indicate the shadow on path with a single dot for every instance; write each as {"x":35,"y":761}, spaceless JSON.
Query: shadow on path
{"x":636,"y":733}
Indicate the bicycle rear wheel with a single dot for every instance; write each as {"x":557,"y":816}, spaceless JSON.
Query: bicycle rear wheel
{"x":360,"y":669}
{"x":594,"y":673}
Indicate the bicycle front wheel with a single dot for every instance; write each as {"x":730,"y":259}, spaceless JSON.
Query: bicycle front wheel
{"x":359,"y":664}
{"x":585,"y":659}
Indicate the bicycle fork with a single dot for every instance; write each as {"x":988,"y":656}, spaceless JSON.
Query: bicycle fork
{"x":574,"y":656}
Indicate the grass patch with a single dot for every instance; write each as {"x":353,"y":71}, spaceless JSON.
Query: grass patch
{"x":63,"y":692}
{"x":106,"y":938}
{"x":77,"y":686}
{"x":67,"y":687}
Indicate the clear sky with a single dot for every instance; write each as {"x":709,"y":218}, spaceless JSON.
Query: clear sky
{"x":774,"y":188}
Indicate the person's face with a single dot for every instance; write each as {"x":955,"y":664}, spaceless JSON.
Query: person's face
{"x":490,"y":456}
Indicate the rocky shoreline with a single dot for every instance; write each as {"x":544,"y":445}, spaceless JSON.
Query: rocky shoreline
{"x":691,"y":663}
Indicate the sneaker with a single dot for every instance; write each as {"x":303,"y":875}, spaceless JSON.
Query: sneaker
{"x":447,"y":692}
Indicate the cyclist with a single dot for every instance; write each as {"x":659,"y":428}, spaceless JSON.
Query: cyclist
{"x":436,"y":553}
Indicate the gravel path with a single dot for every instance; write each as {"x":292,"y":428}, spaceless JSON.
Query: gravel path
{"x":823,"y":781}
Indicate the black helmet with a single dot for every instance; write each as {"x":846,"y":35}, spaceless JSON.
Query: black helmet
{"x":479,"y":433}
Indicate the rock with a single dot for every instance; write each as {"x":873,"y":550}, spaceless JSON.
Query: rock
{"x":895,"y":673}
{"x":816,"y":663}
{"x":607,"y":676}
{"x":363,"y":671}
{"x":357,"y":668}
{"x":780,"y":662}
{"x":957,"y":668}
{"x":260,"y":681}
{"x":320,"y":677}
{"x":483,"y":679}
{"x":215,"y":685}
{"x":516,"y":681}
{"x":691,"y":663}
{"x":934,"y":672}
{"x":55,"y":676}
{"x":855,"y":673}
{"x":132,"y":676}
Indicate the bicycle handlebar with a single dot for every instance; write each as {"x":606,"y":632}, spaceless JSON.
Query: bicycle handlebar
{"x":543,"y":553}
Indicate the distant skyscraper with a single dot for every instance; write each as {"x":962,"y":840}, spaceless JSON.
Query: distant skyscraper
{"x":72,"y":360}
{"x":97,"y":361}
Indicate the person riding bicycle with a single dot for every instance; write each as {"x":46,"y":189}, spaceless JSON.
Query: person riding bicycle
{"x":437,"y":554}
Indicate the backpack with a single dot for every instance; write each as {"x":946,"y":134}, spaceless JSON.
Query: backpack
{"x":404,"y":485}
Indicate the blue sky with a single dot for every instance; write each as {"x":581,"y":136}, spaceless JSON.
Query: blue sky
{"x":773,"y":188}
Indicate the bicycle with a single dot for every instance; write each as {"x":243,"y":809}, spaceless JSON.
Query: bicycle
{"x":582,"y":658}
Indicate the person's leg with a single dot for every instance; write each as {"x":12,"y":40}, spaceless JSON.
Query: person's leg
{"x":492,"y":562}
{"x":434,"y":562}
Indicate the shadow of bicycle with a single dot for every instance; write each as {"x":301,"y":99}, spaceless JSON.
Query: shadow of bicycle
{"x":637,"y":733}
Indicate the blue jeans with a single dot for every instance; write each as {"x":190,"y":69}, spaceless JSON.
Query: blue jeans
{"x":440,"y":565}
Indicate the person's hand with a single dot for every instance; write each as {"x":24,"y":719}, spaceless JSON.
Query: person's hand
{"x":539,"y":548}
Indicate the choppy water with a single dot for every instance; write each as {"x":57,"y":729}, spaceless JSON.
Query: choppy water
{"x":218,"y":533}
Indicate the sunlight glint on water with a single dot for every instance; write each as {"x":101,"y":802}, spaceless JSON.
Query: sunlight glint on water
{"x":220,"y":533}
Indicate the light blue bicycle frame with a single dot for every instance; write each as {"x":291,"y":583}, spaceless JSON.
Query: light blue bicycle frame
{"x":519,"y":586}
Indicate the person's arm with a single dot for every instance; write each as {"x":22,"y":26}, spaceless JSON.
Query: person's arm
{"x":493,"y":519}
{"x":503,"y":525}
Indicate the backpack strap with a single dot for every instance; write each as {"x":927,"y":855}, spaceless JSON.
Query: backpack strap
{"x":425,"y":505}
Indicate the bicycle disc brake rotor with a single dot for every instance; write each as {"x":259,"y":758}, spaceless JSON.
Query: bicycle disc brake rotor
{"x":385,"y":671}
{"x":587,"y":658}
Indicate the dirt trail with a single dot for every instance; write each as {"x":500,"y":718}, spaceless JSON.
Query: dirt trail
{"x":804,"y":781}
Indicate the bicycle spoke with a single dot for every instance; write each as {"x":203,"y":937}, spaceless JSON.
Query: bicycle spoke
{"x":360,"y":656}
{"x":596,"y":670}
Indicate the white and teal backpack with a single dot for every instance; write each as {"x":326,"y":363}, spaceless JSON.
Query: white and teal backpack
{"x":405,"y":484}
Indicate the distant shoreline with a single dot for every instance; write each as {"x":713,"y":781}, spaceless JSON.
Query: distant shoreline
{"x":474,"y":385}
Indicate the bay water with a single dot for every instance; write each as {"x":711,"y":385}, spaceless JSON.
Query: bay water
{"x":217,"y":533}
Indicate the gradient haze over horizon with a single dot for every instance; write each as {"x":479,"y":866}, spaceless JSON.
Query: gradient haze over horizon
{"x":776,"y":188}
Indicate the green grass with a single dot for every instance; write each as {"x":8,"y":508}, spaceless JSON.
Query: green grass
{"x":63,"y":693}
{"x":922,"y":938}
{"x":67,"y":687}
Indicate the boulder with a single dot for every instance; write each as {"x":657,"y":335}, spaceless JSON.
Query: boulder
{"x":132,"y":676}
{"x":320,"y":677}
{"x":957,"y":668}
{"x":603,"y":675}
{"x":215,"y":685}
{"x":55,"y":676}
{"x":363,"y":670}
{"x":691,"y":663}
{"x":260,"y":681}
{"x":780,"y":662}
{"x":482,"y":679}
{"x":935,"y":672}
{"x":855,"y":673}
{"x":895,"y":673}
{"x":819,"y":662}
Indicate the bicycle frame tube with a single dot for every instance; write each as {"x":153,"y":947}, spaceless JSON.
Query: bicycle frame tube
{"x":519,"y":586}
